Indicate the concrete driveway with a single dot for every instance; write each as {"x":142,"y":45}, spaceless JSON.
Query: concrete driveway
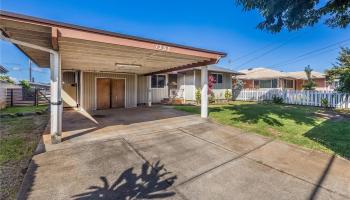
{"x":156,"y":153}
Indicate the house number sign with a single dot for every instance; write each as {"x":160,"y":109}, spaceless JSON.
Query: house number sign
{"x":162,"y":47}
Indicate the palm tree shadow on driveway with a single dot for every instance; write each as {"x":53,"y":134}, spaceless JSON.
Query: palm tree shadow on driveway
{"x":151,"y":183}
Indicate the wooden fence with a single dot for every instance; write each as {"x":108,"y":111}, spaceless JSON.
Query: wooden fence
{"x":298,"y":97}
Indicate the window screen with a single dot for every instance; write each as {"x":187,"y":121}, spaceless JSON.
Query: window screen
{"x":218,"y":78}
{"x":274,"y":83}
{"x":256,"y":84}
{"x":288,"y":83}
{"x":158,"y":81}
{"x":265,"y":83}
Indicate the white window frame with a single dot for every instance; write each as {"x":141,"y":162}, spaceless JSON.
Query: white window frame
{"x":217,"y":77}
{"x":285,"y":85}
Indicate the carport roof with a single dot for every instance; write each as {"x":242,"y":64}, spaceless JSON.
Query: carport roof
{"x":100,"y":50}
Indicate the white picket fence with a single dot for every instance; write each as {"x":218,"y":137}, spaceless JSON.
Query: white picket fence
{"x":310,"y":98}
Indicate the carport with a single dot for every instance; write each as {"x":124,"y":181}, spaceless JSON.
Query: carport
{"x":94,"y":55}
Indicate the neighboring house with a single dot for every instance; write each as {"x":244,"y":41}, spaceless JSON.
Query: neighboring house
{"x":3,"y":87}
{"x":93,"y":69}
{"x":268,"y":78}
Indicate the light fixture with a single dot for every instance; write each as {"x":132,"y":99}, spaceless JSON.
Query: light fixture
{"x":126,"y":66}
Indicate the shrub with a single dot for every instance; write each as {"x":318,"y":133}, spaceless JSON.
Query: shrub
{"x":198,"y":96}
{"x":228,"y":95}
{"x":277,"y":100}
{"x":211,"y":97}
{"x":324,"y":102}
{"x":25,"y":84}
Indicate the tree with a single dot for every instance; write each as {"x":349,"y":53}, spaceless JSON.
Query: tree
{"x":295,"y":14}
{"x":341,"y":70}
{"x":6,"y":79}
{"x":310,"y":84}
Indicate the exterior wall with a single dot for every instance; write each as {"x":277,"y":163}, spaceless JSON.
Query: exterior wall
{"x":219,"y":89}
{"x":248,"y":84}
{"x":158,"y":94}
{"x":299,"y":84}
{"x":142,"y":90}
{"x":89,"y":88}
{"x":3,"y":97}
{"x":69,"y":89}
{"x":189,"y":87}
{"x":180,"y":85}
{"x":320,"y":83}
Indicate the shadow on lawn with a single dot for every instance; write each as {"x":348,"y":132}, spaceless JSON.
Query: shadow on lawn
{"x":270,"y":114}
{"x":333,"y":134}
{"x":151,"y":183}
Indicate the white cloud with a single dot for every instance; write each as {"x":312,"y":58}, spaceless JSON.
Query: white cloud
{"x":16,"y":68}
{"x":37,"y":69}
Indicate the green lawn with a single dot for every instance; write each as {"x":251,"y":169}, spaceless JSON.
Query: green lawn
{"x":19,"y":137}
{"x":309,"y":127}
{"x":23,"y":109}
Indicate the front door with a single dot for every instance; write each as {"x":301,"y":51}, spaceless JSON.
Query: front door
{"x":117,"y":93}
{"x":110,"y":93}
{"x":103,"y":93}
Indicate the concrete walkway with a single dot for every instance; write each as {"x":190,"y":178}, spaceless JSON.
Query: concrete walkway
{"x":151,"y":153}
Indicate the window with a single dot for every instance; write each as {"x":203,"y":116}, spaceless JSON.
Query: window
{"x":218,"y":78}
{"x":288,"y":84}
{"x":256,"y":84}
{"x":274,"y":83}
{"x":158,"y":81}
{"x":265,"y":83}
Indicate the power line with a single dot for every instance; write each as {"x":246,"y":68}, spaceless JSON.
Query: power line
{"x":289,"y":61}
{"x":308,"y":57}
{"x":254,"y":51}
{"x":269,"y":51}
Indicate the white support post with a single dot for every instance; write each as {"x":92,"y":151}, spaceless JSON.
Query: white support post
{"x":149,"y":84}
{"x":204,"y":92}
{"x":81,"y":91}
{"x":135,"y":89}
{"x":56,"y":101}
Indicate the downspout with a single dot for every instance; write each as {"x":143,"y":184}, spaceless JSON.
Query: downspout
{"x":55,"y":99}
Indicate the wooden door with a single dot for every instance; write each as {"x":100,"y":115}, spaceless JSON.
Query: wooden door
{"x":103,"y":93}
{"x":117,"y":93}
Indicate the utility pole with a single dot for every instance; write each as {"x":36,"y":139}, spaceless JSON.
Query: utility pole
{"x":30,"y":71}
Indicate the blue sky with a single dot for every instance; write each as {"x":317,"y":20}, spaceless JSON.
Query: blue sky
{"x":218,"y":26}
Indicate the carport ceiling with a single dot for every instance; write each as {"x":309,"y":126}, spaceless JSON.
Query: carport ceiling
{"x":95,"y":50}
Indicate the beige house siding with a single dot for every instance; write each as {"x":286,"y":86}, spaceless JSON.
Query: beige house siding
{"x":142,"y":91}
{"x":89,"y":88}
{"x":189,"y":87}
{"x":187,"y":83}
{"x":158,"y":94}
{"x":219,"y":89}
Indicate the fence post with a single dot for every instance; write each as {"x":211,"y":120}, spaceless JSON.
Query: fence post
{"x":11,"y":97}
{"x":36,"y":97}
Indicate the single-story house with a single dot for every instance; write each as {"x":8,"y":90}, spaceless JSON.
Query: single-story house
{"x":181,"y":85}
{"x":94,"y":69}
{"x":256,"y":78}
